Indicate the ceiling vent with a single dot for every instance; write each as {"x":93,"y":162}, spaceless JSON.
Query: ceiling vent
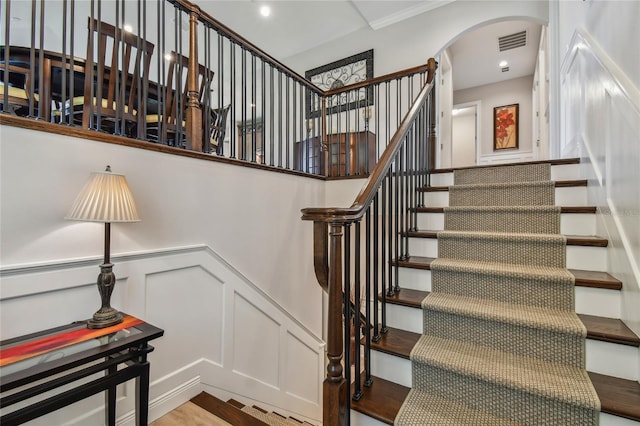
{"x":505,"y":69}
{"x":512,"y":41}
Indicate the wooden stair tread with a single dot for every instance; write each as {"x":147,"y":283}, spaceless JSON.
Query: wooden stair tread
{"x":225,"y":411}
{"x":415,"y":262}
{"x":396,"y":342}
{"x":407,"y":297}
{"x":609,"y":330}
{"x":554,"y":162}
{"x":382,"y":400}
{"x":563,"y":209}
{"x":619,"y":397}
{"x":572,"y":240}
{"x":593,"y":279}
{"x":596,"y":279}
{"x":598,"y":328}
{"x":558,"y":184}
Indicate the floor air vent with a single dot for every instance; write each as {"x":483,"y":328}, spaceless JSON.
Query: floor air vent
{"x":512,"y":41}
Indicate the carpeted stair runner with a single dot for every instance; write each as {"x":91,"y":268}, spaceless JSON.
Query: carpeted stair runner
{"x":501,"y":342}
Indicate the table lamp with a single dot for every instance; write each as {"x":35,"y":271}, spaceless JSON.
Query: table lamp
{"x":105,"y":198}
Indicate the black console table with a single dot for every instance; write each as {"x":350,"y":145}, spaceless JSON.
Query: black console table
{"x":41,"y":362}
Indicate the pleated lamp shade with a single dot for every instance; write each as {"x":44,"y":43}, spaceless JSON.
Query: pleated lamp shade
{"x":105,"y":198}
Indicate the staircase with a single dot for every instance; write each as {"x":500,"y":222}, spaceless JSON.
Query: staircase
{"x":612,"y":355}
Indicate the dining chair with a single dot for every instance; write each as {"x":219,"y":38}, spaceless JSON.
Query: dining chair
{"x":116,"y":75}
{"x":16,"y":90}
{"x":169,"y":125}
{"x":218,"y":128}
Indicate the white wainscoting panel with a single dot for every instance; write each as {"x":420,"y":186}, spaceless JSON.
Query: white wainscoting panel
{"x":601,"y":123}
{"x":222,"y":332}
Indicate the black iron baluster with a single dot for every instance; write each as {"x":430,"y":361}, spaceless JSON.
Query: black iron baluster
{"x":288,"y":124}
{"x":63,"y":109}
{"x":280,"y":118}
{"x":396,"y":220}
{"x":263,"y":103}
{"x":392,"y":229}
{"x":377,"y":257}
{"x":272,"y":115}
{"x":357,"y":394}
{"x":294,"y":118}
{"x":387,"y":112}
{"x":232,"y":92}
{"x":63,"y":67}
{"x":253,"y":109}
{"x":346,"y":309}
{"x":383,"y":254}
{"x":217,"y":120}
{"x":367,"y":297}
{"x":243,"y":106}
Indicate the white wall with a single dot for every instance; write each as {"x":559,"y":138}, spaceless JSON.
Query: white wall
{"x":600,"y":93}
{"x":515,"y":91}
{"x":412,"y":41}
{"x":251,"y":280}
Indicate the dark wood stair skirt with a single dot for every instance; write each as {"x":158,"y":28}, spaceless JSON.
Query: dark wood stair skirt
{"x":231,"y":411}
{"x":225,"y":411}
{"x":619,"y":397}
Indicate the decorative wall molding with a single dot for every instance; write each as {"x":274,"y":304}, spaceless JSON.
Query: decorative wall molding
{"x":507,"y":157}
{"x":601,"y":124}
{"x":214,"y":319}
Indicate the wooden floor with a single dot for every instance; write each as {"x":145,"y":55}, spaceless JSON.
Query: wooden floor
{"x":189,"y":414}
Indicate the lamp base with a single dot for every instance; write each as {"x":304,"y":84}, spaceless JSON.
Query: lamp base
{"x":105,"y":318}
{"x":106,"y":315}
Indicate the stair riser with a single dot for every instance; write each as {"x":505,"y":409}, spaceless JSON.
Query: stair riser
{"x":613,"y":359}
{"x":565,"y":196}
{"x":601,"y":357}
{"x":570,"y":223}
{"x":592,"y":301}
{"x":391,"y":367}
{"x":558,"y":172}
{"x":578,"y":257}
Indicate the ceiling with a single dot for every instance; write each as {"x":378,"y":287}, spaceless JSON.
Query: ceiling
{"x":312,"y":23}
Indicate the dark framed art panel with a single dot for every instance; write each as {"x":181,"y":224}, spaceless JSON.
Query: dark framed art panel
{"x":505,"y":127}
{"x":350,"y":70}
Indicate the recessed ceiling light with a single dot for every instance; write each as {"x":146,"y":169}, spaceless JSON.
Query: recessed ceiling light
{"x":503,"y":64}
{"x":128,"y":28}
{"x":265,"y":11}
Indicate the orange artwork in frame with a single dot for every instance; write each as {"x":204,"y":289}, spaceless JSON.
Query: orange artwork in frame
{"x":505,"y":127}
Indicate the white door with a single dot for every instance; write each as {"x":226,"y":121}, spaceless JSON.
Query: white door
{"x":464,"y":135}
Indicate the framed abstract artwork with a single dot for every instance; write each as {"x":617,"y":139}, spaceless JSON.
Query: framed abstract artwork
{"x":350,"y":70}
{"x":505,"y":127}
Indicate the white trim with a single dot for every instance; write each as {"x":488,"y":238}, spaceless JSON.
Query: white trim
{"x":410,"y":12}
{"x":69,"y":264}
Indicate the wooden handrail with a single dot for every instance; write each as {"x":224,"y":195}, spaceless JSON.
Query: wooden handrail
{"x":365,"y":197}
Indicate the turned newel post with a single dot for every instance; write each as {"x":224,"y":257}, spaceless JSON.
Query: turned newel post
{"x":194,"y":113}
{"x":433,"y":138}
{"x":335,"y":387}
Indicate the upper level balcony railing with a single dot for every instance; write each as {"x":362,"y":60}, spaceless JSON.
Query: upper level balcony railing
{"x":166,"y":72}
